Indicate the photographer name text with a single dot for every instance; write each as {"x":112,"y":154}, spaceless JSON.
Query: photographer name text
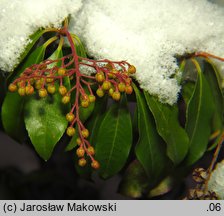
{"x":68,"y":207}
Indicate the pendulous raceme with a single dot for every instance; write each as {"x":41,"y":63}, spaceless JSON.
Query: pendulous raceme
{"x":112,"y":78}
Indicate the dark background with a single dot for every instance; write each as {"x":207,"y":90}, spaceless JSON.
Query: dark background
{"x":23,"y":175}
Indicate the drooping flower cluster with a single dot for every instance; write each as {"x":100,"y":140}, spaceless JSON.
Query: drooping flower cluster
{"x":110,"y":77}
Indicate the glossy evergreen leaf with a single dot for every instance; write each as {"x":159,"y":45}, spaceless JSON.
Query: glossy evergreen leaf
{"x":135,"y":181}
{"x":12,"y":116}
{"x":45,"y":122}
{"x":45,"y":119}
{"x":85,"y":112}
{"x":79,"y":46}
{"x":189,"y":72}
{"x":187,"y":91}
{"x":150,"y":147}
{"x":168,"y":126}
{"x":198,"y":117}
{"x":93,"y":124}
{"x":179,"y":74}
{"x":114,"y":139}
{"x":135,"y":120}
{"x":72,"y":143}
{"x":212,"y":76}
{"x":12,"y":108}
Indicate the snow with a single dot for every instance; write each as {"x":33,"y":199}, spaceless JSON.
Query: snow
{"x":150,"y":35}
{"x":216,"y":181}
{"x":146,"y":33}
{"x":21,"y":18}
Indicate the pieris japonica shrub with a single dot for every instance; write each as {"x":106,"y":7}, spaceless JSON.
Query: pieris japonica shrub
{"x":72,"y":69}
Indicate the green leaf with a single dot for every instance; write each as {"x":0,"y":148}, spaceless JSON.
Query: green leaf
{"x":189,"y":72}
{"x":72,"y":144}
{"x":12,"y":108}
{"x":12,"y":116}
{"x":85,"y":112}
{"x":212,"y":76}
{"x":79,"y":46}
{"x":93,"y":124}
{"x":187,"y":91}
{"x":45,"y":119}
{"x":114,"y":139}
{"x":198,"y":117}
{"x":135,"y":181}
{"x":135,"y":120}
{"x":150,"y":147}
{"x":168,"y":126}
{"x":179,"y":74}
{"x":45,"y":122}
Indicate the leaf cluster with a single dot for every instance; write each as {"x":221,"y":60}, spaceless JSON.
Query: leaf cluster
{"x":140,"y":138}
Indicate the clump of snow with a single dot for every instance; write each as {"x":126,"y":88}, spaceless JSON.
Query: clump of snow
{"x":86,"y":70}
{"x":149,"y":35}
{"x":216,"y":181}
{"x":21,"y":18}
